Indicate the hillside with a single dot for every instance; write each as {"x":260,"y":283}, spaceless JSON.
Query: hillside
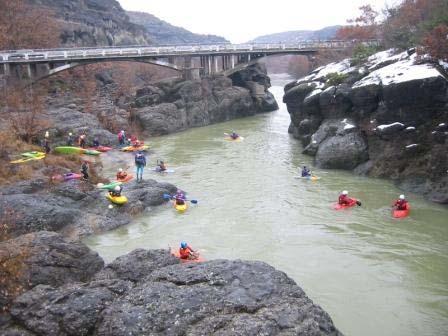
{"x":94,"y":23}
{"x":162,"y":32}
{"x":298,"y":35}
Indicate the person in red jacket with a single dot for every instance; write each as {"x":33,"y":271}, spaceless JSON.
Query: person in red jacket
{"x":186,"y":252}
{"x":344,"y":199}
{"x":401,"y":203}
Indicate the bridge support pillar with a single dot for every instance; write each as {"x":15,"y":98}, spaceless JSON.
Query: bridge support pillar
{"x":6,"y":69}
{"x":233,"y":61}
{"x":31,"y":70}
{"x":209,"y":65}
{"x":216,"y":64}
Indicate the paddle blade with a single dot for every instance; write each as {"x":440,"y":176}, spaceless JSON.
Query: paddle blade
{"x":166,"y":196}
{"x":358,"y":203}
{"x":194,"y":201}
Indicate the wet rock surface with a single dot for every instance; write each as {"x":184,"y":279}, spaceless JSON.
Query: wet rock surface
{"x":75,"y":208}
{"x":384,"y":118}
{"x":150,"y":293}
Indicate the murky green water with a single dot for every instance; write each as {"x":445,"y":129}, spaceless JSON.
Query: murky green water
{"x":373,"y":274}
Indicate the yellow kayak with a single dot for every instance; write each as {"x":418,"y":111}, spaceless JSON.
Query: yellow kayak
{"x":240,"y":138}
{"x":28,"y":159}
{"x":117,"y":199}
{"x":135,"y":148}
{"x":180,"y":207}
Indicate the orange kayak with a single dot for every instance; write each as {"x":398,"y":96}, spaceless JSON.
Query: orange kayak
{"x":175,"y":253}
{"x":401,"y":213}
{"x":126,"y":179}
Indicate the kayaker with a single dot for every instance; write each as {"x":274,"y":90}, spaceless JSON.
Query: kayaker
{"x":401,"y":203}
{"x":121,"y":137}
{"x":46,"y":145}
{"x":85,"y":170}
{"x":121,"y":175}
{"x":186,"y":252}
{"x":70,"y":139}
{"x":116,"y":192}
{"x":234,"y":136}
{"x":96,"y":142}
{"x":344,"y":199}
{"x":161,"y":166}
{"x":82,"y":141}
{"x":179,"y":198}
{"x":140,"y":163}
{"x":305,"y":172}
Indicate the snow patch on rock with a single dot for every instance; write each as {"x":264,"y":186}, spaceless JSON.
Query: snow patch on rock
{"x":412,"y":145}
{"x":410,"y":128}
{"x":383,"y":127}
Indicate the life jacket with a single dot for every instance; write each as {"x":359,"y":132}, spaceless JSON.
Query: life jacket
{"x":344,"y":199}
{"x":401,"y":204}
{"x":185,"y":253}
{"x":140,"y":160}
{"x":121,"y":175}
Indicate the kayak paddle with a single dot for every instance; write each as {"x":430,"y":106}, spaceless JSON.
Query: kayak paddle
{"x":166,"y":196}
{"x":358,"y":203}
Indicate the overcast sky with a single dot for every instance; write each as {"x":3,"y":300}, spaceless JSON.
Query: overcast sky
{"x":243,"y":20}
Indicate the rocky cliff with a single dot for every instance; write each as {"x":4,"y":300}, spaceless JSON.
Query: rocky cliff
{"x":148,"y":292}
{"x":162,"y":32}
{"x":386,"y":117}
{"x":94,"y":23}
{"x":175,"y":105}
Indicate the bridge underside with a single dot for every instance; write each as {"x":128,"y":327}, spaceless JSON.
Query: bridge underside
{"x":190,"y":67}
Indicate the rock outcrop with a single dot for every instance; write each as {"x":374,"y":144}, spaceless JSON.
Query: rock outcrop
{"x":150,"y":293}
{"x":94,"y":23}
{"x":384,"y":118}
{"x":174,"y":105}
{"x":75,"y":208}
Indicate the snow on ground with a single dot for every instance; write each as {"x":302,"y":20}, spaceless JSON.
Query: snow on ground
{"x":399,"y":72}
{"x":322,"y":72}
{"x":347,"y":125}
{"x":385,"y":56}
{"x":444,"y":65}
{"x":410,"y":128}
{"x":313,"y":93}
{"x":412,"y":145}
{"x":442,"y":124}
{"x":383,"y":127}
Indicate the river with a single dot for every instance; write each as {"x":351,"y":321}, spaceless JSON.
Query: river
{"x":373,"y":274}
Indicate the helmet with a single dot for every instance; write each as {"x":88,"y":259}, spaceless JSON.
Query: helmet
{"x":70,"y":134}
{"x":120,"y":169}
{"x":402,"y":197}
{"x":117,"y":188}
{"x":344,"y":192}
{"x":183,"y":244}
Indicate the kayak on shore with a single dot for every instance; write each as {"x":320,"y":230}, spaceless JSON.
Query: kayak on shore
{"x":109,"y":186}
{"x":102,"y":149}
{"x":66,"y":177}
{"x":120,"y":200}
{"x":69,"y":150}
{"x":29,"y":156}
{"x":134,"y":148}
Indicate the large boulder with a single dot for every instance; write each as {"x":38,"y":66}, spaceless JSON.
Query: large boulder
{"x":162,"y":119}
{"x":342,"y":152}
{"x":45,"y":258}
{"x":150,"y":293}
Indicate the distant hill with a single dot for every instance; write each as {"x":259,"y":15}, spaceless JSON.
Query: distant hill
{"x":326,"y":33}
{"x":162,"y":32}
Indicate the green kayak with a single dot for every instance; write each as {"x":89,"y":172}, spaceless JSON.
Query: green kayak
{"x":109,"y":186}
{"x":91,"y":152}
{"x":33,"y":154}
{"x":69,"y":150}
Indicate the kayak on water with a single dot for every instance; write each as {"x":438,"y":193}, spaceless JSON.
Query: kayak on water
{"x":109,"y":186}
{"x":134,"y":148}
{"x":338,"y":206}
{"x":158,"y":170}
{"x":33,"y":154}
{"x":175,"y":253}
{"x":69,"y":150}
{"x":401,"y":213}
{"x":101,"y":148}
{"x":126,"y":179}
{"x":117,"y":199}
{"x":91,"y":152}
{"x":180,"y":207}
{"x":312,"y":178}
{"x":240,"y":138}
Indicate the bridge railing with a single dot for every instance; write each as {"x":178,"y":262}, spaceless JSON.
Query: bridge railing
{"x":112,"y":51}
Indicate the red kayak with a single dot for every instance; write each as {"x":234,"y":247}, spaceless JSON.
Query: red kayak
{"x":338,"y":206}
{"x":126,"y":179}
{"x":176,"y":254}
{"x":401,"y":213}
{"x":101,"y":148}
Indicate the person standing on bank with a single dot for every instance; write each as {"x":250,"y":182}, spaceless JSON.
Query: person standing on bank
{"x":140,"y":163}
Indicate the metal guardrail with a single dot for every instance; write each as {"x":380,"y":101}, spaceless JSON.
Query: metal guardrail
{"x":40,"y":55}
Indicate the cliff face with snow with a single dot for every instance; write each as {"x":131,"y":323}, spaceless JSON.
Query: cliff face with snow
{"x":387,"y":117}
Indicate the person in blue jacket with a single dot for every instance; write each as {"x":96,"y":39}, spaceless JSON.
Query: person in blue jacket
{"x":140,"y":163}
